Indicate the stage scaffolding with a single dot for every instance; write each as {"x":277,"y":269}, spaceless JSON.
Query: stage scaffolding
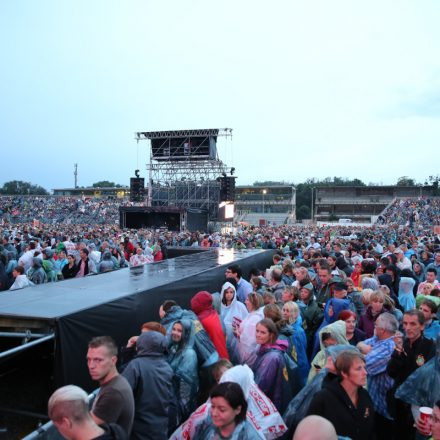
{"x":184,"y":167}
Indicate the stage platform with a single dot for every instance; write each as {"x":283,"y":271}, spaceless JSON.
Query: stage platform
{"x":115,"y":303}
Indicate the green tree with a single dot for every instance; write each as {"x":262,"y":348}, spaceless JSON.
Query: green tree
{"x":271,"y":183}
{"x":302,"y":212}
{"x":106,"y":184}
{"x":18,"y":187}
{"x":405,"y":181}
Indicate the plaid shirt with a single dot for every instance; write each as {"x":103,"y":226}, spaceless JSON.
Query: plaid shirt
{"x":379,"y":382}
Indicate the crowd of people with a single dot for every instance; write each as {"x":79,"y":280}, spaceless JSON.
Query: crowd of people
{"x":338,"y":338}
{"x":422,"y":211}
{"x":54,"y":210}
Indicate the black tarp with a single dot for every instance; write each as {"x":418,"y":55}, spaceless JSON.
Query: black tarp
{"x":176,"y":279}
{"x":117,"y":303}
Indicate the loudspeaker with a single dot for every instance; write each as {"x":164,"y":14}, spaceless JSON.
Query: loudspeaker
{"x":227,"y":189}
{"x":137,"y":190}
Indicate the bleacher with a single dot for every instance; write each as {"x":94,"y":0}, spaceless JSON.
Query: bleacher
{"x":408,"y":211}
{"x":361,"y":204}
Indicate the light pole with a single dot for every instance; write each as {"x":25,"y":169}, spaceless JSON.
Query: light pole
{"x":264,"y":194}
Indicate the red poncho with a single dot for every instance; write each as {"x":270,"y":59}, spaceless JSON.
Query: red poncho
{"x":201,"y":304}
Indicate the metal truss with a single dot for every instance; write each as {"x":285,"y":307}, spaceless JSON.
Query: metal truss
{"x":143,"y":135}
{"x":185,"y":181}
{"x":188,"y":184}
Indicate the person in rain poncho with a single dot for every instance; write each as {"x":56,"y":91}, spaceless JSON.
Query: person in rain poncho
{"x":261,"y":413}
{"x":12,"y":263}
{"x":290,"y":313}
{"x":36,"y":273}
{"x":275,"y":372}
{"x":232,"y":314}
{"x":295,"y":336}
{"x":106,"y":264}
{"x":21,"y":280}
{"x":299,"y":405}
{"x":332,"y":334}
{"x":227,"y":416}
{"x":170,"y":312}
{"x":406,"y":296}
{"x":246,"y":344}
{"x":150,"y":378}
{"x":201,"y":304}
{"x":333,"y":307}
{"x":50,"y":266}
{"x":183,"y":360}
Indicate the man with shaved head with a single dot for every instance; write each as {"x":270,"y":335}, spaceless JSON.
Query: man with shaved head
{"x":315,"y":428}
{"x":68,"y":409}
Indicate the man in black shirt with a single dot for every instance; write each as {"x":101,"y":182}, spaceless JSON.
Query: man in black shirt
{"x":410,"y":353}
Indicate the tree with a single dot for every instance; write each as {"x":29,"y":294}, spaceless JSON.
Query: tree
{"x":405,"y":181}
{"x":18,"y":187}
{"x":303,"y":212}
{"x":106,"y":184}
{"x":434,"y":181}
{"x":271,"y":183}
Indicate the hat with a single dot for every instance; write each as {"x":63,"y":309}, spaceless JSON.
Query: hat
{"x":340,"y":286}
{"x":336,"y":280}
{"x":308,"y":286}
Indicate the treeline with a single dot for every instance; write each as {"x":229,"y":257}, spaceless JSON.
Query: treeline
{"x":20,"y":188}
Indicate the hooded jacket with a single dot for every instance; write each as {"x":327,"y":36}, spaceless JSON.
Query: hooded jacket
{"x":150,"y":377}
{"x":247,"y":345}
{"x":183,"y":360}
{"x":297,"y":349}
{"x":406,"y":296}
{"x":201,"y":303}
{"x":337,"y":305}
{"x":338,"y":332}
{"x":235,"y":312}
{"x":268,"y":371}
{"x":106,"y":264}
{"x":206,"y":352}
{"x":231,"y":315}
{"x":36,"y":273}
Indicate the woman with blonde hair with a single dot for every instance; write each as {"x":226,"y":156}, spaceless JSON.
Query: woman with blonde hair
{"x":292,"y":333}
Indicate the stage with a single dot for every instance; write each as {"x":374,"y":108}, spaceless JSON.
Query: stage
{"x":114,"y":303}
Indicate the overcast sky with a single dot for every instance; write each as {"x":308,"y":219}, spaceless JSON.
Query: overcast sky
{"x":310,"y":88}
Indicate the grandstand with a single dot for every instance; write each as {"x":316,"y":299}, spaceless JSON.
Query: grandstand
{"x":361,"y":204}
{"x":265,"y":205}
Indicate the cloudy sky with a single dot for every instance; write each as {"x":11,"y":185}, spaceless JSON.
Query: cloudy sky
{"x":310,"y":88}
